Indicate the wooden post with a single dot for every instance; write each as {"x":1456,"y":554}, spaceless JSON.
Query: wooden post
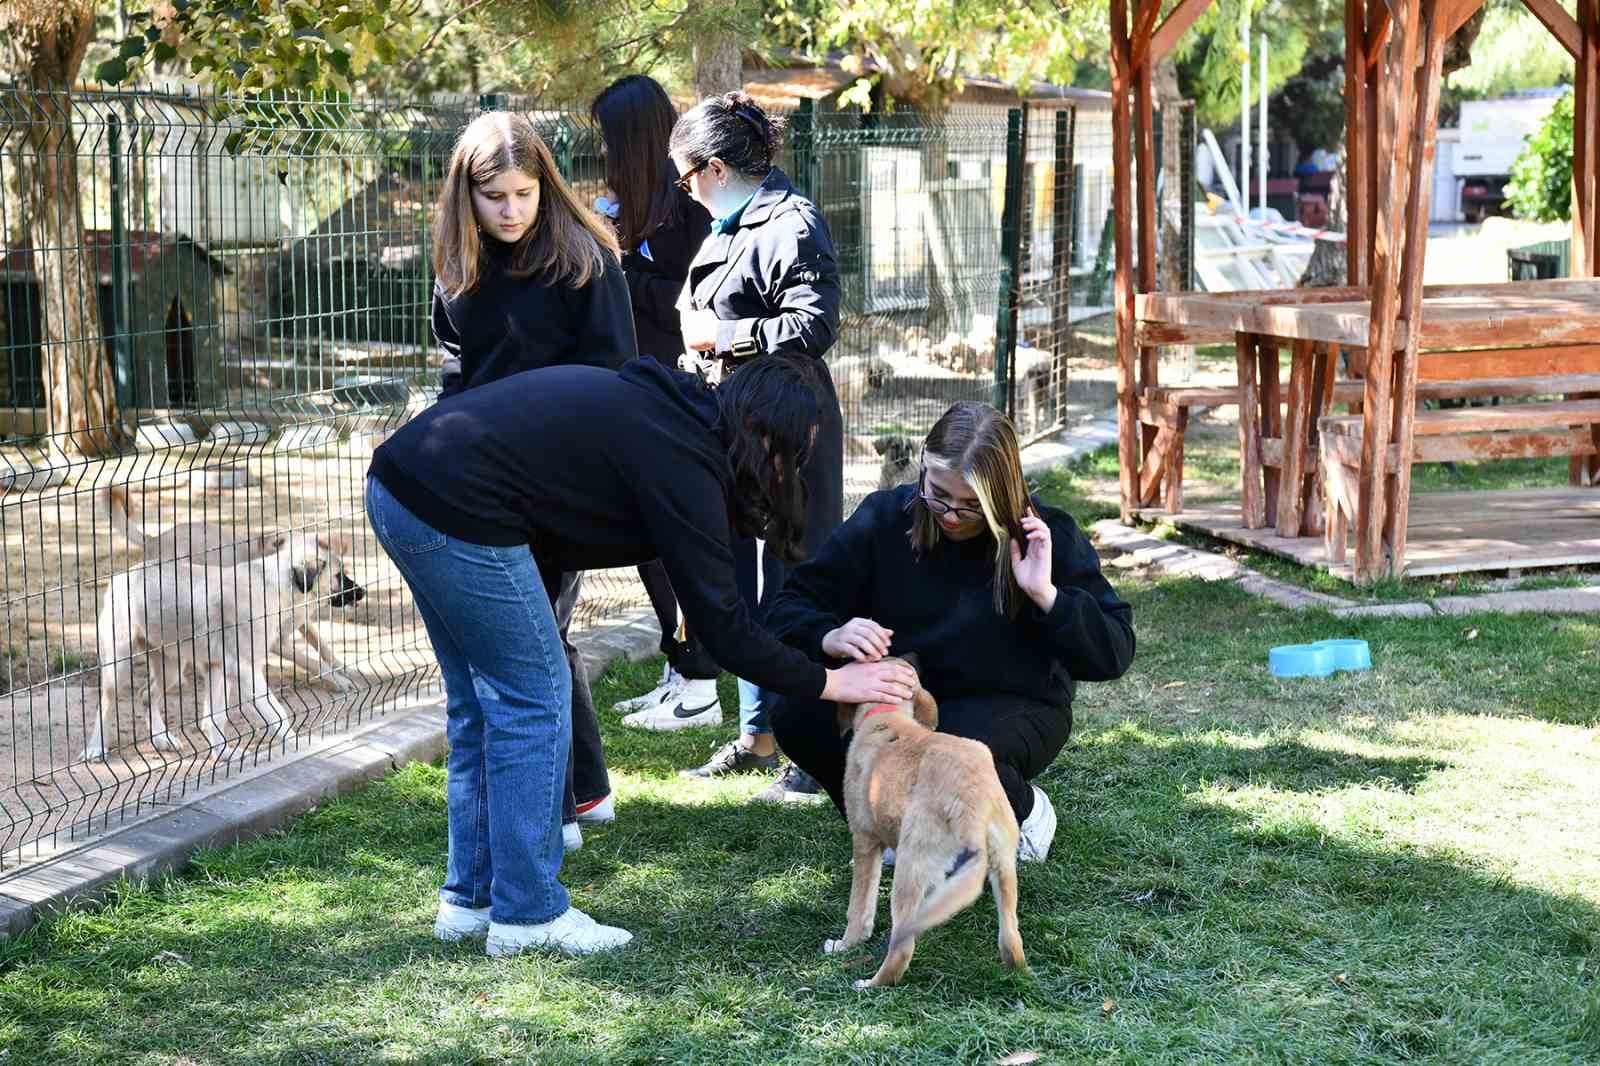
{"x":1585,"y":470}
{"x":1268,"y":385}
{"x":1418,"y":201}
{"x":1378,"y":412}
{"x":1253,"y":506}
{"x":1122,"y":209}
{"x":1149,"y":225}
{"x":1296,"y":441}
{"x":1356,"y":121}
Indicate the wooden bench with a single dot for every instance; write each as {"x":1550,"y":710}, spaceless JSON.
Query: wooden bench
{"x":1534,"y":429}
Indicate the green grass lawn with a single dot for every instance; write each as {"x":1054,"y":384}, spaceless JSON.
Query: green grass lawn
{"x":1397,"y":866}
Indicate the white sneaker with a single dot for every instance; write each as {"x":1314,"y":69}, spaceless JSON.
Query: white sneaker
{"x":671,"y":681}
{"x":460,"y":923}
{"x":693,"y":704}
{"x":1038,"y":829}
{"x":598,"y":812}
{"x":571,"y":836}
{"x":572,"y":933}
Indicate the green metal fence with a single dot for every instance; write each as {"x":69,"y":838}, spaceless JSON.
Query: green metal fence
{"x":228,"y":299}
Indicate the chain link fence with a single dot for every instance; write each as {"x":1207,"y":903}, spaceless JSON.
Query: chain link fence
{"x":212,"y":310}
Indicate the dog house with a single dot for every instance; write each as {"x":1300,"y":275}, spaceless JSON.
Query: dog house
{"x":173,"y":325}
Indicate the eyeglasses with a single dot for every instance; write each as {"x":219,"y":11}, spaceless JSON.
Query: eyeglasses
{"x":938,"y":506}
{"x":682,"y":183}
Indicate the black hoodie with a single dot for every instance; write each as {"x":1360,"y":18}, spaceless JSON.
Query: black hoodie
{"x":594,"y":469}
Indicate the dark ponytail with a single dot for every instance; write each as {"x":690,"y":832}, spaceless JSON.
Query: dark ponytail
{"x":732,"y":128}
{"x":770,"y":409}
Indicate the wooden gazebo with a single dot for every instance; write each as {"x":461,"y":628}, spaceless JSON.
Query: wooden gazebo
{"x":1527,"y":340}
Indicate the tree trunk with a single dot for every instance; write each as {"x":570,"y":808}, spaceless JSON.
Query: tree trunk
{"x":718,"y":62}
{"x":47,"y":42}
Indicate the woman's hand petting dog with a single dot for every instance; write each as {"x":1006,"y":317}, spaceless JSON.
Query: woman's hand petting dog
{"x":891,"y":681}
{"x":1032,"y":571}
{"x":860,"y":639}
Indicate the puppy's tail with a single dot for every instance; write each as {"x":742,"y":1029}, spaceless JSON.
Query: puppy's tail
{"x":120,"y":508}
{"x":962,"y":884}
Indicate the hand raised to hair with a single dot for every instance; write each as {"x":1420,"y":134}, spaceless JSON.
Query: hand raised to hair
{"x":1032,"y":571}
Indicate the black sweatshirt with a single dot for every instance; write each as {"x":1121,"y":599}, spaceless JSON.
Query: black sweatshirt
{"x":655,"y":280}
{"x":941,"y":606}
{"x":594,"y":469}
{"x":505,"y":325}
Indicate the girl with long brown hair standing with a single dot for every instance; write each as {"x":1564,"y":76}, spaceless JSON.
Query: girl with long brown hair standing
{"x":526,"y":278}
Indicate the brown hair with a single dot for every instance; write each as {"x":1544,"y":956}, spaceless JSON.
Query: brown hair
{"x":979,"y":443}
{"x":566,"y":243}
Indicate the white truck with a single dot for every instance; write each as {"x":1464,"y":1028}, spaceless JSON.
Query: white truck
{"x":1492,"y":132}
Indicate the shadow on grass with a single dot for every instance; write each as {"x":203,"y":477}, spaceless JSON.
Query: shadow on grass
{"x":1214,"y":930}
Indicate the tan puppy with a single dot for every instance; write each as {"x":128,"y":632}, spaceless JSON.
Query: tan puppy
{"x":937,"y":801}
{"x":209,"y":545}
{"x":229,"y":615}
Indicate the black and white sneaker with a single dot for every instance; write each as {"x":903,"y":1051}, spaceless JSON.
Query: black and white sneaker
{"x":794,"y":785}
{"x":734,"y":758}
{"x":690,"y":704}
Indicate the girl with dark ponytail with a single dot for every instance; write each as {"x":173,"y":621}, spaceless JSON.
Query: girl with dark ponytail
{"x":764,"y":283}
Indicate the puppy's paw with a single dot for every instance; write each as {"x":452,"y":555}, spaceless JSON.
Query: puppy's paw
{"x":95,"y":754}
{"x":864,"y":983}
{"x":164,"y":742}
{"x":339,"y":681}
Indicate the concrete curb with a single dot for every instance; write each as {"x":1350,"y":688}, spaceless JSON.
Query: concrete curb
{"x":267,"y":798}
{"x":1177,"y":560}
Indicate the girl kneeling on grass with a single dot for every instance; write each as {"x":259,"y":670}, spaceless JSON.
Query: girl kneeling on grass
{"x":594,"y":469}
{"x":1000,"y":597}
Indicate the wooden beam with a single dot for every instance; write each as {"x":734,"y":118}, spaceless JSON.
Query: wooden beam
{"x":1122,"y":208}
{"x":1269,"y":384}
{"x":1561,"y":25}
{"x":1458,"y":15}
{"x":1585,"y":142}
{"x":1291,"y":488}
{"x":1174,"y":26}
{"x":1424,"y":135}
{"x":1254,"y":510}
{"x":1395,"y":114}
{"x":1356,"y":157}
{"x":1145,"y":13}
{"x":1377,"y":35}
{"x":1149,"y":225}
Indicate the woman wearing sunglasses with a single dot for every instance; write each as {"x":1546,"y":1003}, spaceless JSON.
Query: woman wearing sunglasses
{"x":999,"y":596}
{"x":764,"y":283}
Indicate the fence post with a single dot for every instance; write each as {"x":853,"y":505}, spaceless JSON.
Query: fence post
{"x":1005,"y":334}
{"x":117,"y":328}
{"x":1062,"y":231}
{"x":802,"y":128}
{"x":1186,"y":196}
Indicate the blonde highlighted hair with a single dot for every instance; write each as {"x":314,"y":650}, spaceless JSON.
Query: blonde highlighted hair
{"x":978,"y":443}
{"x":567,"y":242}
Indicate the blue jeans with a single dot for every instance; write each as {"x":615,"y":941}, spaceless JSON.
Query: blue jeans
{"x":752,"y":710}
{"x":507,"y":702}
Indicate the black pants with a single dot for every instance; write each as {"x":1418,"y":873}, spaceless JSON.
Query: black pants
{"x":686,"y":656}
{"x":587,"y":779}
{"x":1024,"y":735}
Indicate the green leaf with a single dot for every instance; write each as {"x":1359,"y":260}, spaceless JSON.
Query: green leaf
{"x":131,"y":47}
{"x":163,"y":52}
{"x":112,"y":71}
{"x":152,"y":35}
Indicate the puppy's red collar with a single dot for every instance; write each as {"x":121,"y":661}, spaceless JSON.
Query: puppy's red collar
{"x":880,"y":707}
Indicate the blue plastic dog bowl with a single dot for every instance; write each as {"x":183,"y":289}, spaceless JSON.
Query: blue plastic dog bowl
{"x":1349,"y":654}
{"x":1300,"y":660}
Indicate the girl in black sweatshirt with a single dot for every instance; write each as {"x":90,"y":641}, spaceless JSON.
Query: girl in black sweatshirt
{"x":527,"y":277}
{"x":1000,"y":597}
{"x":660,"y":229}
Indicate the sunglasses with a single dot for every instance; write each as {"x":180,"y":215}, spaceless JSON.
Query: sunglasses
{"x":682,"y":183}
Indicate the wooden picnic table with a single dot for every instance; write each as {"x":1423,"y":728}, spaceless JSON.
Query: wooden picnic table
{"x":1522,"y":339}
